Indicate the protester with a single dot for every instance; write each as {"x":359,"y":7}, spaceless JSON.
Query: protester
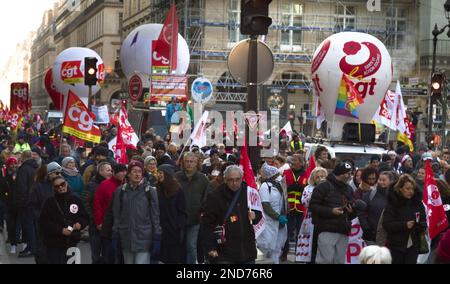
{"x":356,"y":180}
{"x":272,"y":239}
{"x":136,"y":216}
{"x":72,"y":176}
{"x":8,"y":181}
{"x":21,"y":145}
{"x":172,"y":206}
{"x":151,"y":170}
{"x":332,"y":212}
{"x":229,"y":239}
{"x":375,"y":255}
{"x":62,"y":218}
{"x":404,"y":221}
{"x":374,"y":161}
{"x":369,"y":177}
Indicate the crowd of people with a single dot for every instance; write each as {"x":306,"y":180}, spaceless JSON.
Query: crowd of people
{"x":176,"y":205}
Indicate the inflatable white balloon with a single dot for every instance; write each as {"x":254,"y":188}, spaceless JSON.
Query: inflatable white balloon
{"x":136,"y":52}
{"x":368,"y":65}
{"x":68,"y":72}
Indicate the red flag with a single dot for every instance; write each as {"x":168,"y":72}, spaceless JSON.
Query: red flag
{"x":436,"y":217}
{"x":126,"y":137}
{"x":249,"y":177}
{"x":79,"y":121}
{"x":167,"y":44}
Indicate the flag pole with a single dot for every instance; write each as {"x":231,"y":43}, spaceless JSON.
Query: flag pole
{"x":172,"y":35}
{"x":359,"y":132}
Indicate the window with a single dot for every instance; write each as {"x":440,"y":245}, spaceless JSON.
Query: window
{"x":291,"y":20}
{"x":345,"y":18}
{"x":396,"y":27}
{"x":234,"y":19}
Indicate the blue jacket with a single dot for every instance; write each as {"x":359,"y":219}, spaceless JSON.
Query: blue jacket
{"x":75,"y":184}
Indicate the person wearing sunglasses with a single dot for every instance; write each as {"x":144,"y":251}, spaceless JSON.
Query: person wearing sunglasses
{"x":62,"y":218}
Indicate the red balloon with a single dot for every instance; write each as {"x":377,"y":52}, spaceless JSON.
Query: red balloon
{"x":57,"y":97}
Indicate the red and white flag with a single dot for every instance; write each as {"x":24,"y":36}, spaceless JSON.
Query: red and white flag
{"x":198,"y":136}
{"x":436,"y":217}
{"x":167,"y":44}
{"x":249,"y":176}
{"x":320,"y":113}
{"x":39,"y":122}
{"x":126,"y":138}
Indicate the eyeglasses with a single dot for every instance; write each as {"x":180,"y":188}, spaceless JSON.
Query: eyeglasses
{"x":61,"y":185}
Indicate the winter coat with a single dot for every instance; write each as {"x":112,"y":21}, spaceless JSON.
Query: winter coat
{"x":173,"y":220}
{"x":376,"y":202}
{"x":400,"y":210}
{"x":7,"y":186}
{"x":102,"y":198}
{"x":24,"y":182}
{"x":40,"y":192}
{"x":328,"y":195}
{"x":87,"y":196}
{"x":195,"y":191}
{"x":76,"y":184}
{"x":53,"y":220}
{"x":166,"y":160}
{"x":240,"y":244}
{"x":135,"y":219}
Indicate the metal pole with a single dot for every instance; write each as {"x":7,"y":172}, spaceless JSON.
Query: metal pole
{"x":90,"y":98}
{"x":430,"y":103}
{"x":444,"y":112}
{"x":252,"y":94}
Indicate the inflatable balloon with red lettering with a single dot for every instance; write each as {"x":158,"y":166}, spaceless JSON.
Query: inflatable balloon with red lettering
{"x":57,"y":97}
{"x":137,"y":55}
{"x":365,"y":61}
{"x":68,"y":72}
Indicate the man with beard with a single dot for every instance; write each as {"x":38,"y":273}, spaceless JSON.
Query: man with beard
{"x":332,"y":213}
{"x":296,"y":182}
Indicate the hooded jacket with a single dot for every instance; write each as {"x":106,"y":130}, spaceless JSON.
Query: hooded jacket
{"x":398,"y":212}
{"x":328,"y":195}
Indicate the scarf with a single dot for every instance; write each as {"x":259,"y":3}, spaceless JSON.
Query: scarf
{"x":70,"y":172}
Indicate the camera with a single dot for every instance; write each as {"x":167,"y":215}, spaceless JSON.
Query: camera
{"x":219,"y":234}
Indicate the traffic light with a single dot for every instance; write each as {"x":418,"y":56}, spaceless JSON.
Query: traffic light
{"x":437,"y":83}
{"x":255,"y":18}
{"x":90,"y":71}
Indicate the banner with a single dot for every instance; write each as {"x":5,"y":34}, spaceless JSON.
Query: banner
{"x":163,"y":88}
{"x":101,"y":113}
{"x":79,"y":121}
{"x":355,"y":243}
{"x":254,"y":203}
{"x":19,"y":98}
{"x":126,"y":137}
{"x":304,"y":241}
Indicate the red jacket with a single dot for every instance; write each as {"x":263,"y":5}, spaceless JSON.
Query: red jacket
{"x":103,"y":197}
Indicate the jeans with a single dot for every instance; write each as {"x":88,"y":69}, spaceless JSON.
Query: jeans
{"x":2,"y":213}
{"x":191,"y":235}
{"x":96,"y":243}
{"x":136,"y":257}
{"x":294,"y":224}
{"x":26,"y":218}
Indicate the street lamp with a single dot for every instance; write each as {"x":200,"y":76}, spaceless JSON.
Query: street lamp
{"x":436,"y":32}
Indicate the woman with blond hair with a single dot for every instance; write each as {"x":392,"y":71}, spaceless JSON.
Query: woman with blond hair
{"x":404,"y":221}
{"x":308,"y":253}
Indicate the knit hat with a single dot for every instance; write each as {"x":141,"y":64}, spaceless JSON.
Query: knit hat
{"x":134,"y":164}
{"x":405,"y":158}
{"x":427,"y":156}
{"x":53,"y":167}
{"x":443,"y":250}
{"x":268,"y":171}
{"x":148,"y":160}
{"x":167,"y":169}
{"x":67,"y":160}
{"x":117,"y":168}
{"x":36,"y":150}
{"x":342,"y":168}
{"x":11,"y":160}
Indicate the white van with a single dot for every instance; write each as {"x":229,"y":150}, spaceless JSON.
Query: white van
{"x":360,"y":154}
{"x":54,"y":117}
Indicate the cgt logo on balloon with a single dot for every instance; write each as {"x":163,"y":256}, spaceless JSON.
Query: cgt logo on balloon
{"x":71,"y":73}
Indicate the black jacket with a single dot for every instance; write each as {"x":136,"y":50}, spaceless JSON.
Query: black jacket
{"x":166,"y":160}
{"x":371,"y":216}
{"x":326,"y":196}
{"x":24,"y":182}
{"x":40,"y":192}
{"x":87,"y":196}
{"x":240,"y":245}
{"x":53,"y":220}
{"x":7,"y":186}
{"x":400,"y":210}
